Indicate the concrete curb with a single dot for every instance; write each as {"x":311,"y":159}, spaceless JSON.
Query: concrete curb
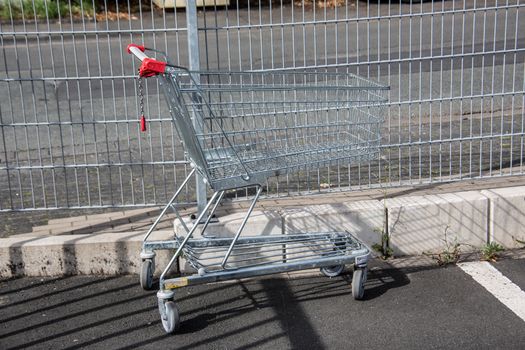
{"x":428,"y":223}
{"x":416,"y":225}
{"x":506,"y":215}
{"x":101,"y":254}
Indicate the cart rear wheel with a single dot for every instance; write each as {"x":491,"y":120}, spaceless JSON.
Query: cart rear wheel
{"x":358,"y":283}
{"x":170,"y":317}
{"x":332,"y":271}
{"x":146,"y":274}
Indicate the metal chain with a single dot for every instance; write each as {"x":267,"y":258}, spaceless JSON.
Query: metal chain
{"x":141,"y":97}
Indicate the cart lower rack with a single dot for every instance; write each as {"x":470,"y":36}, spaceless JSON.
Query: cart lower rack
{"x":238,"y":129}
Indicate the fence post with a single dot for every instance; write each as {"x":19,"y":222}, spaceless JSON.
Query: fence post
{"x":194,"y":61}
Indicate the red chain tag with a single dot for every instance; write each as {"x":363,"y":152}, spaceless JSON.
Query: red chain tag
{"x":143,"y":123}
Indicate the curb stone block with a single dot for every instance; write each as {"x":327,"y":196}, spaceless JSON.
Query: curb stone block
{"x":507,"y":215}
{"x":418,"y":224}
{"x":363,"y":219}
{"x":260,"y":223}
{"x":102,"y":254}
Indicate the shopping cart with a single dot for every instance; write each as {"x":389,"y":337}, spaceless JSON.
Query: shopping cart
{"x":239,"y":129}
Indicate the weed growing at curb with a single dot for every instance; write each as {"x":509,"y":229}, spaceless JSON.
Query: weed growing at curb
{"x":383,"y":247}
{"x":450,"y":254}
{"x":490,"y":251}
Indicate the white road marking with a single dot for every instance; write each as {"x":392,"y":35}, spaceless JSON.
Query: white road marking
{"x":498,"y":285}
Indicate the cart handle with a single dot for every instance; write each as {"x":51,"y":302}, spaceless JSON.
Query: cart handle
{"x":149,"y":66}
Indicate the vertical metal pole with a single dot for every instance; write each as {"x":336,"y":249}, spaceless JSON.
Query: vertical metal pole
{"x":194,"y":61}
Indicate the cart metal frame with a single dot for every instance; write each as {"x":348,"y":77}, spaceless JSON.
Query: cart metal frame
{"x":238,"y":129}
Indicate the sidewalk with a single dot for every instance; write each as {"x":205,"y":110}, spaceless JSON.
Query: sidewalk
{"x":138,"y":220}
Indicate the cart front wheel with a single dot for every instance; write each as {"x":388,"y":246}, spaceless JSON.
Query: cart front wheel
{"x":358,"y":283}
{"x":332,"y":271}
{"x":169,"y":316}
{"x":146,"y":274}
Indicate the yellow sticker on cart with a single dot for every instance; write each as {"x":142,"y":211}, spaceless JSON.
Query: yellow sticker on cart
{"x":179,"y":282}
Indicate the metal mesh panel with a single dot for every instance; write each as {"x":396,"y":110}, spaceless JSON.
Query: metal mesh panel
{"x":455,"y":69}
{"x":68,"y":108}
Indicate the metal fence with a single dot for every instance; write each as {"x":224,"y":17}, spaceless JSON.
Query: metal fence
{"x":69,"y":127}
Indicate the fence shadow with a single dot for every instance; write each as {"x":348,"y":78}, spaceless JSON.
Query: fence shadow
{"x":249,"y":313}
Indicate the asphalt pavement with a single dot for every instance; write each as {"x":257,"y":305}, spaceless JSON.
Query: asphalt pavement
{"x":404,"y":308}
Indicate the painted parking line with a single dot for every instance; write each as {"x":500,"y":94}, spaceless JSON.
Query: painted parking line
{"x":498,"y":285}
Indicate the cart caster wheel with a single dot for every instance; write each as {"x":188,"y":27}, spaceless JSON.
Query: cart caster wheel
{"x":170,"y":317}
{"x":332,"y":271}
{"x":146,"y":274}
{"x":358,"y":283}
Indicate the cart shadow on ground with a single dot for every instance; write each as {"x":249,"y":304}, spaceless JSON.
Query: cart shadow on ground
{"x":114,"y":312}
{"x":283,"y":300}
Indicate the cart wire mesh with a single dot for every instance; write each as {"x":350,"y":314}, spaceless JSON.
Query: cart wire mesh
{"x":253,"y":125}
{"x":268,"y":250}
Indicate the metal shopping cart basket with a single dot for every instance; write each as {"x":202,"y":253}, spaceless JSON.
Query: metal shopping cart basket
{"x":239,"y":129}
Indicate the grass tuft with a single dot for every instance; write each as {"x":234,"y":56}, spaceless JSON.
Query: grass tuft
{"x":450,"y":254}
{"x":490,"y":251}
{"x":45,"y":9}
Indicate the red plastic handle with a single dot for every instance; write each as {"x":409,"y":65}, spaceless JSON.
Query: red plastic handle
{"x":151,"y":67}
{"x":141,"y":48}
